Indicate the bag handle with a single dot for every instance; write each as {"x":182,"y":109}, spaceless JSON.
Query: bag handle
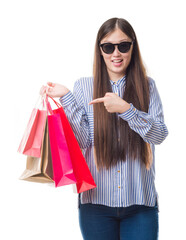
{"x":49,"y":109}
{"x":40,"y":103}
{"x":57,"y":104}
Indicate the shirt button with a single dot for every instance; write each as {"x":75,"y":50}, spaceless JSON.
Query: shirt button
{"x":118,"y":171}
{"x":119,"y":187}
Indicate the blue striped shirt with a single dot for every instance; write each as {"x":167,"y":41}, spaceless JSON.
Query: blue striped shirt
{"x":128,"y":182}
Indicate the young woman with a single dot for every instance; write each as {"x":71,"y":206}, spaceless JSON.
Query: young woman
{"x":117,"y":118}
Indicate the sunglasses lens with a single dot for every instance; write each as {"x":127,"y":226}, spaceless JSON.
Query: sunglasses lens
{"x":108,"y":48}
{"x":124,"y":47}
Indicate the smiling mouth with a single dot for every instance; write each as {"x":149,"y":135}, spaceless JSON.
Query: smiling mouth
{"x":117,"y":61}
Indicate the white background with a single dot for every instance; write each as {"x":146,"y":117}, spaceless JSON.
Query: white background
{"x":54,"y":40}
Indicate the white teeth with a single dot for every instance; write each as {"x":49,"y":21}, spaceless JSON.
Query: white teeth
{"x":117,"y":61}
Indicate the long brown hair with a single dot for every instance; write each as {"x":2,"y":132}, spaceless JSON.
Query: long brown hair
{"x":107,"y":149}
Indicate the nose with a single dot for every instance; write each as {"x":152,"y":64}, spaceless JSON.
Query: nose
{"x":116,"y":51}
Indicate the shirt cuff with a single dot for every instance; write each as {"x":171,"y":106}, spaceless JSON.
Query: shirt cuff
{"x":129,"y":114}
{"x":66,"y":99}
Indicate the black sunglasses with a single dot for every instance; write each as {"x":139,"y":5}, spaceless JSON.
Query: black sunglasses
{"x":109,"y":48}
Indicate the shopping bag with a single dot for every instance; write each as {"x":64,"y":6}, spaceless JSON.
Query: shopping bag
{"x":40,"y":169}
{"x":82,"y":173}
{"x":33,"y":136}
{"x":61,"y":160}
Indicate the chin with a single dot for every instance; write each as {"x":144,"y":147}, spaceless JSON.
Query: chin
{"x":119,"y":72}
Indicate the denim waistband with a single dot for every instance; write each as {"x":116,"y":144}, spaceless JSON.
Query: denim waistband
{"x":136,"y":206}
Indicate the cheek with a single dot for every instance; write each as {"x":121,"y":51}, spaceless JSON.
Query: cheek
{"x":127,"y":58}
{"x":107,"y":59}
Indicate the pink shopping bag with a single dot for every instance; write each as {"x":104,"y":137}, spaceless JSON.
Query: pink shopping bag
{"x":32,"y":139}
{"x":82,"y":173}
{"x":61,"y":161}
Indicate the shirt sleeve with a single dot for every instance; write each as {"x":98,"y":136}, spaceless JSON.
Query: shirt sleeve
{"x":73,"y":106}
{"x":150,"y":126}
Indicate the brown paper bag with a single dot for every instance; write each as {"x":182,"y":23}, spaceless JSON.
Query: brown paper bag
{"x":40,"y":169}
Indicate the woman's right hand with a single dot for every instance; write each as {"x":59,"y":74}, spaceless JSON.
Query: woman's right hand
{"x":54,"y":90}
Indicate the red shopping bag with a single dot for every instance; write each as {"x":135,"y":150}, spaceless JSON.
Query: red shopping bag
{"x":82,"y":173}
{"x":62,"y":167}
{"x":31,"y":142}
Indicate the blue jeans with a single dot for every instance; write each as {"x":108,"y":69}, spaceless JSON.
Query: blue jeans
{"x":137,"y":222}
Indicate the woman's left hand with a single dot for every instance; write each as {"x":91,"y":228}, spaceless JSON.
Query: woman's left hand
{"x":113,"y":103}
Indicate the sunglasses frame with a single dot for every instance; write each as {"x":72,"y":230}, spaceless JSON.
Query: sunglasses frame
{"x":115,"y":44}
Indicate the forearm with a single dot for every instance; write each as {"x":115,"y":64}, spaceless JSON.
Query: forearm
{"x":150,"y":129}
{"x":77,"y":118}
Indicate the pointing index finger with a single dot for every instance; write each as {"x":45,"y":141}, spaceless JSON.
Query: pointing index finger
{"x":97,"y":100}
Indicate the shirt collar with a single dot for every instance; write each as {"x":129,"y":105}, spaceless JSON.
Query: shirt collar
{"x":120,"y":81}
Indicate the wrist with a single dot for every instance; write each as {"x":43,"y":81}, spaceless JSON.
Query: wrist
{"x":125,"y":107}
{"x":64,"y":91}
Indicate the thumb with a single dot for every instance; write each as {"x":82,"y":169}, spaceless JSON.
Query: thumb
{"x":108,"y":94}
{"x":50,"y":84}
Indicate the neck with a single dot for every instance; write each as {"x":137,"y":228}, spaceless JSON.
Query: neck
{"x":115,"y":77}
